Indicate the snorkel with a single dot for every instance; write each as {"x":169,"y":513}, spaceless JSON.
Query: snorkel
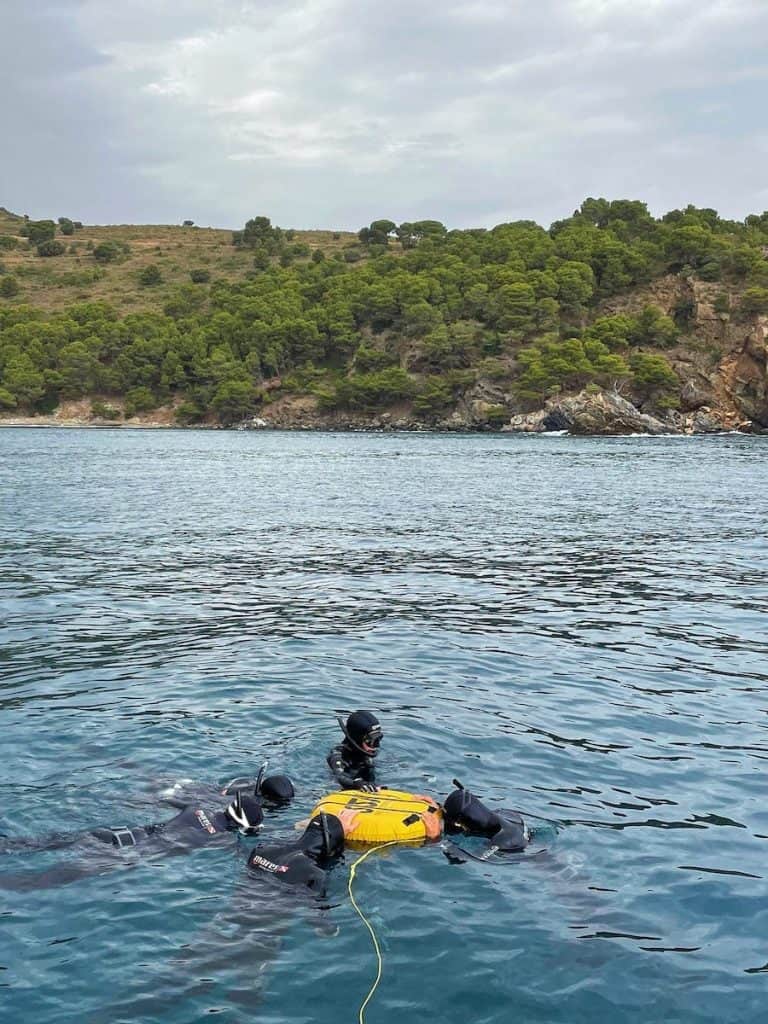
{"x":273,"y":790}
{"x":325,"y":846}
{"x":241,"y":782}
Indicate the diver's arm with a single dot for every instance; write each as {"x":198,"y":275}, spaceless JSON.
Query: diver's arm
{"x":343,"y":775}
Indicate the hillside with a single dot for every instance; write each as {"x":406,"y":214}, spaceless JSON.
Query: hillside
{"x":608,"y":321}
{"x":54,"y":283}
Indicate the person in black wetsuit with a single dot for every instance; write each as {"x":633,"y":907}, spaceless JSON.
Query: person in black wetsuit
{"x":243,"y":937}
{"x":191,"y":828}
{"x":466,"y":814}
{"x":352,"y":760}
{"x":306,"y":860}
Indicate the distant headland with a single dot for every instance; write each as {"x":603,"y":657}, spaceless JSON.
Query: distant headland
{"x":611,"y":321}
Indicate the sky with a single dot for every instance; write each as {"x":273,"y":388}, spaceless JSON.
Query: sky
{"x":332,"y":113}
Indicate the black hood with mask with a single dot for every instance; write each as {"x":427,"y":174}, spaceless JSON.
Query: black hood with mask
{"x":245,"y":813}
{"x":466,"y":814}
{"x":323,"y":838}
{"x":362,"y":731}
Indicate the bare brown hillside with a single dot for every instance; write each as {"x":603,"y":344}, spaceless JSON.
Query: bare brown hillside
{"x":52,"y":283}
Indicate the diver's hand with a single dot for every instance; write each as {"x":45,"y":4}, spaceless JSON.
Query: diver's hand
{"x":364,"y":787}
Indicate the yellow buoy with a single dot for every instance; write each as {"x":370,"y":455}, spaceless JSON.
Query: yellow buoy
{"x":387,"y":815}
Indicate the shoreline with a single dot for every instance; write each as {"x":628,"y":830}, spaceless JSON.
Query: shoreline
{"x":36,"y":424}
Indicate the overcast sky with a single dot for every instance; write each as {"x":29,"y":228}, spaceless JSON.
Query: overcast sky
{"x":330,"y":113}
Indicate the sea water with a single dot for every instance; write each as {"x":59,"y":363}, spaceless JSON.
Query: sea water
{"x":572,"y":627}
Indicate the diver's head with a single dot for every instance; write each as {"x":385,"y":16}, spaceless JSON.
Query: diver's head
{"x":323,"y":838}
{"x":245,"y":813}
{"x":464,"y":812}
{"x":276,"y":789}
{"x":363,"y":731}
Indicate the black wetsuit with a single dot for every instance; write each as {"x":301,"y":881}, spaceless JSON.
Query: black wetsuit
{"x":192,"y":828}
{"x":353,"y":769}
{"x":288,"y":865}
{"x":510,"y":833}
{"x":466,"y":814}
{"x":304,"y":861}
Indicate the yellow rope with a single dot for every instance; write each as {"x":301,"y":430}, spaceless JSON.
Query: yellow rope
{"x":367,"y":923}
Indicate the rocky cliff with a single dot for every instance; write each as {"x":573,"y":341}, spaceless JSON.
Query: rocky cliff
{"x":721,"y":361}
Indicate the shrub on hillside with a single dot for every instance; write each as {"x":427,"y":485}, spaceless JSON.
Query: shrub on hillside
{"x":651,"y":327}
{"x":234,"y":400}
{"x":104,"y":411}
{"x":259,"y":233}
{"x":38,"y":231}
{"x":261,"y":260}
{"x":107,"y":252}
{"x":372,"y":359}
{"x":7,"y":400}
{"x":9,"y":286}
{"x":652,"y":370}
{"x":368,"y":390}
{"x":185,"y":300}
{"x":199,"y":276}
{"x":7,"y":242}
{"x":434,"y":396}
{"x":139,"y":399}
{"x":189,"y":412}
{"x":51,"y":248}
{"x":551,"y":364}
{"x":150,"y":276}
{"x":754,"y":301}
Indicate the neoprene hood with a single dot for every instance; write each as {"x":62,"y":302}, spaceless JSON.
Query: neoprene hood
{"x":363,"y":731}
{"x":276,"y":789}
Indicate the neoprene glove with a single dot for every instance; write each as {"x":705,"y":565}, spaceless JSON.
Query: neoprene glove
{"x":365,"y":787}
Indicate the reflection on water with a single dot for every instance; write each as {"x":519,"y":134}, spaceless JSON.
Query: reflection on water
{"x":575,"y":627}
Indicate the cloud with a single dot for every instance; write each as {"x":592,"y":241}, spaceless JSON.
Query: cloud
{"x":334,"y":112}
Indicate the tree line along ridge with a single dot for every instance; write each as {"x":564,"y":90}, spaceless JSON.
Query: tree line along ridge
{"x":411,"y":314}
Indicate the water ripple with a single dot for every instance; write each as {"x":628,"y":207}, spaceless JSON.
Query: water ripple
{"x":575,"y":627}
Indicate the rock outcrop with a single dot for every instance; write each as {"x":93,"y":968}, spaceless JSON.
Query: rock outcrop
{"x":590,"y":412}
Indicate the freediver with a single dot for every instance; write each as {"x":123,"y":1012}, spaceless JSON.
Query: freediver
{"x":197,"y":824}
{"x":466,"y":814}
{"x":306,"y":860}
{"x":352,"y":760}
{"x":244,"y":935}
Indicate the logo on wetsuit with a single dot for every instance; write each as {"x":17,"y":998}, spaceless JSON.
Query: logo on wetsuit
{"x":268,"y":865}
{"x":205,"y":822}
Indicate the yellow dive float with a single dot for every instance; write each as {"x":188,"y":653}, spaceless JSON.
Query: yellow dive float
{"x":388,"y":815}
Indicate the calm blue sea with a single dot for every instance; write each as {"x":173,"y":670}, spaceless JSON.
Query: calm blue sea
{"x":573,"y":627}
